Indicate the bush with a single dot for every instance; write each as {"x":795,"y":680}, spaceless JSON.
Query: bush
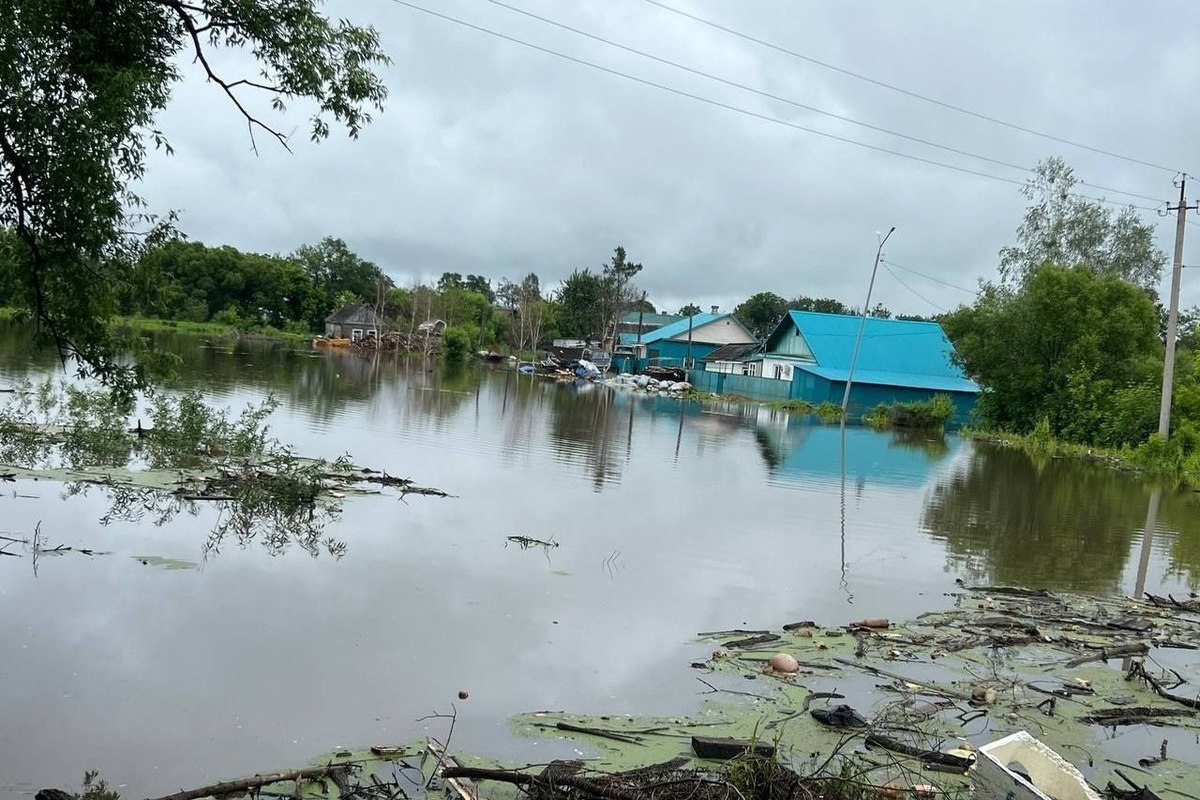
{"x":929,"y":415}
{"x":457,"y":344}
{"x":829,"y":411}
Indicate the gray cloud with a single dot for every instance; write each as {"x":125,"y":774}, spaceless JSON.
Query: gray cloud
{"x":497,"y":159}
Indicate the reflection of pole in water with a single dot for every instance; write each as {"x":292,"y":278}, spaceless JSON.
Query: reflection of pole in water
{"x":1144,"y":559}
{"x":1147,"y":541}
{"x":629,"y":432}
{"x":679,"y":436}
{"x":504,"y":403}
{"x":845,"y":583}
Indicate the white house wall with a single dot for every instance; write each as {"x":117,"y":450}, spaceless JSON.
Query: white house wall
{"x":787,"y":367}
{"x":720,"y":331}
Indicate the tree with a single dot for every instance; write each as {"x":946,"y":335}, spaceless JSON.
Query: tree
{"x":825,"y":305}
{"x":760,"y":313}
{"x":450,"y":280}
{"x":579,"y":302}
{"x":690,"y":310}
{"x":1063,"y":228}
{"x":336,"y":271}
{"x":617,"y":292}
{"x":80,"y":86}
{"x":480,"y":284}
{"x":1070,"y":347}
{"x":881,"y":311}
{"x":645,"y":306}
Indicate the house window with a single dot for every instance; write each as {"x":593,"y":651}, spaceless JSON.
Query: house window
{"x":356,"y":334}
{"x":747,"y":368}
{"x":779,"y":372}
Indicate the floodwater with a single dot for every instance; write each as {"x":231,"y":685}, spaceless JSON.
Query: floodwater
{"x":166,"y":670}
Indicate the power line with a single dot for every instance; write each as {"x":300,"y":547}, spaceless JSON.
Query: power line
{"x":768,"y":95}
{"x":796,"y":103}
{"x":729,"y":107}
{"x":717,"y":103}
{"x":908,"y":92}
{"x":930,"y":277}
{"x":911,"y":289}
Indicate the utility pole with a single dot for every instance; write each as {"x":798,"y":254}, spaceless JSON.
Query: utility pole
{"x":1168,"y":384}
{"x":862,"y":326}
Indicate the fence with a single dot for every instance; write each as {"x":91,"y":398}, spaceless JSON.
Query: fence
{"x":744,"y":385}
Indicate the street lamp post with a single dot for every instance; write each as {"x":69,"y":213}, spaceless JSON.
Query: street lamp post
{"x":862,"y":326}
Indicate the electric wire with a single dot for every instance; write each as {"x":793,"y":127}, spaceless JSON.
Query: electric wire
{"x":730,"y":107}
{"x":795,"y":103}
{"x":903,"y":283}
{"x":908,"y":92}
{"x":930,"y":277}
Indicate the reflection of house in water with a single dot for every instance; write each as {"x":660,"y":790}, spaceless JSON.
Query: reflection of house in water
{"x":799,"y":449}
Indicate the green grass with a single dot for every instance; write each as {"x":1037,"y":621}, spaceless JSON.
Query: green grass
{"x":12,"y":314}
{"x":1155,"y":457}
{"x":150,"y":324}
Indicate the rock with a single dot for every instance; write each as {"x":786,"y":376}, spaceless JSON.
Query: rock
{"x":783,"y":662}
{"x":684,"y":386}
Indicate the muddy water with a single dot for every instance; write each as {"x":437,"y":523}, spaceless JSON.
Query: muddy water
{"x":165,"y":670}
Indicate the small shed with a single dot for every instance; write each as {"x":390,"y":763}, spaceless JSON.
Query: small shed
{"x":356,"y":321}
{"x":731,"y":359}
{"x":432,"y":327}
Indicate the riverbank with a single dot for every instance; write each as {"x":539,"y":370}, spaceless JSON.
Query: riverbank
{"x":217,"y":329}
{"x":1155,"y":458}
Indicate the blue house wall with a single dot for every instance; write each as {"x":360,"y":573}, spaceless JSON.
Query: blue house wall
{"x":816,"y":390}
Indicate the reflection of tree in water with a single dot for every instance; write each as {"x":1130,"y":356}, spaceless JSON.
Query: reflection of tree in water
{"x":585,"y":426}
{"x":274,"y":524}
{"x":1059,"y":524}
{"x":1180,"y":512}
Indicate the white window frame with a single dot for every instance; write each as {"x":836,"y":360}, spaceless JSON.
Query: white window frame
{"x":356,"y":334}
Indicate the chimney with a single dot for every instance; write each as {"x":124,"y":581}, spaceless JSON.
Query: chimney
{"x":715,"y":309}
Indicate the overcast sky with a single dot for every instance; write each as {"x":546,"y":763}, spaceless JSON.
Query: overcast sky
{"x":494,"y":158}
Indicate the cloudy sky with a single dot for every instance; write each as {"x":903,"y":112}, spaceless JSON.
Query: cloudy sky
{"x":496,"y":158}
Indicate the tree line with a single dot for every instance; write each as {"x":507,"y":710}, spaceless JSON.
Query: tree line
{"x":1068,"y":342}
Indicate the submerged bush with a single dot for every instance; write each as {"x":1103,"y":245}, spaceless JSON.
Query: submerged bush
{"x":931,"y":414}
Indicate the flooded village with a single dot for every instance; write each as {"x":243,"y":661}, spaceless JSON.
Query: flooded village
{"x":346,"y":451}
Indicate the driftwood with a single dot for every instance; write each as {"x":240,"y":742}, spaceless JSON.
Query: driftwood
{"x":1138,"y":670}
{"x":462,"y":786}
{"x":926,"y":687}
{"x":1170,"y":602}
{"x":334,"y":772}
{"x":1132,"y":715}
{"x":603,"y":734}
{"x":722,"y":749}
{"x":927,"y":756}
{"x":753,"y":641}
{"x":1105,"y":653}
{"x":556,"y":774}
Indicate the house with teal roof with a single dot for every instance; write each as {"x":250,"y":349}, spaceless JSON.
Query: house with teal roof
{"x":899,"y":361}
{"x":683,"y":343}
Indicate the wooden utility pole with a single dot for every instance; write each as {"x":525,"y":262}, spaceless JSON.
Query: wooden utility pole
{"x":1168,"y":384}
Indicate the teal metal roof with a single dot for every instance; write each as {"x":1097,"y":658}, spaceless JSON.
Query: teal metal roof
{"x":894,"y":352}
{"x":658,"y":320}
{"x":906,"y":379}
{"x":674,"y":329}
